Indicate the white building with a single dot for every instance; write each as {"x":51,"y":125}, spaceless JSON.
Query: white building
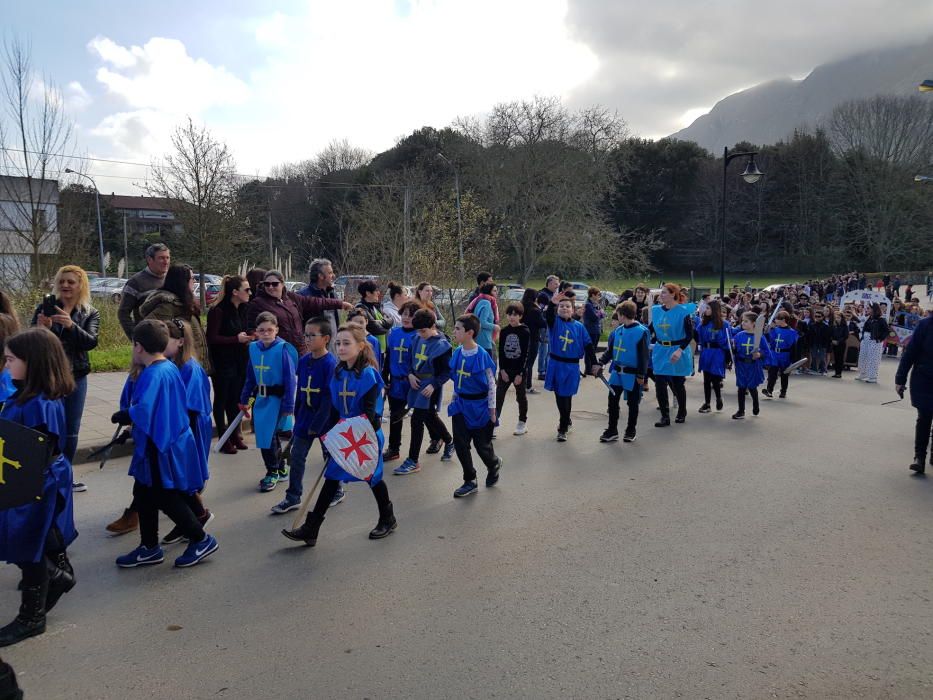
{"x":19,"y":242}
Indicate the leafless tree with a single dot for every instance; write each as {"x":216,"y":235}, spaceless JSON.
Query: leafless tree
{"x":35,"y":148}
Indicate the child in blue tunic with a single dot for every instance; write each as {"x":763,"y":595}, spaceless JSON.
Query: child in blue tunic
{"x":473,"y":406}
{"x":428,"y":371}
{"x":312,"y":407}
{"x":782,"y":339}
{"x":355,"y":389}
{"x":270,"y":377}
{"x":749,"y":361}
{"x":569,"y":343}
{"x":359,"y":318}
{"x":712,"y":338}
{"x":165,"y":463}
{"x":627,"y":351}
{"x":34,"y":536}
{"x":398,"y":349}
{"x":671,"y":357}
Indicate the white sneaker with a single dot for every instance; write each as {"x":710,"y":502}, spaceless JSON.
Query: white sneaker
{"x":520,"y":429}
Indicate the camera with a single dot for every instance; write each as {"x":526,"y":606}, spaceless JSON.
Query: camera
{"x":49,"y":306}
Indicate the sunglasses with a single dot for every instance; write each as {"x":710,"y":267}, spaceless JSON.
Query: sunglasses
{"x":271,"y":284}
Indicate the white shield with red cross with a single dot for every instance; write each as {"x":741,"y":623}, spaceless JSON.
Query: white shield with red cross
{"x":353,"y":445}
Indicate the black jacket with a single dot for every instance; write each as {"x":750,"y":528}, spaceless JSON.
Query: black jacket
{"x":79,"y":339}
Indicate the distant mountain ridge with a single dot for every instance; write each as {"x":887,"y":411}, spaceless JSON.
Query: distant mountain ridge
{"x":770,"y":112}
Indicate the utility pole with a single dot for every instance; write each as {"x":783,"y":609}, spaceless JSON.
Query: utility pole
{"x":271,"y":253}
{"x":406,"y":233}
{"x":126,"y":255}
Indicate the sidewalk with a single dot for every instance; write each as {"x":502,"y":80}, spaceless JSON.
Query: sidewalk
{"x":103,"y":400}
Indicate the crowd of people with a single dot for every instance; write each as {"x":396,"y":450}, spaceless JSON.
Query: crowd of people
{"x":311,"y":366}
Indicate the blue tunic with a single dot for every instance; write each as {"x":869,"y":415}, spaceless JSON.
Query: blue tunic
{"x":377,"y":349}
{"x":158,"y":409}
{"x":748,"y":372}
{"x":668,"y":325}
{"x":347,"y":390}
{"x":781,"y":341}
{"x":272,"y":365}
{"x":421,"y":364}
{"x":469,"y":375}
{"x":714,"y":348}
{"x":398,"y":348}
{"x":623,"y":345}
{"x":568,"y":340}
{"x":312,"y":402}
{"x":6,"y":385}
{"x":23,"y":529}
{"x":198,"y":397}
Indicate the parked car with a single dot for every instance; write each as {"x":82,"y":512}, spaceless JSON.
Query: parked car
{"x":210,"y":292}
{"x":581,"y":289}
{"x":295,"y":287}
{"x":108,"y":288}
{"x":514,"y":294}
{"x":345,"y":285}
{"x":772,"y":288}
{"x":211,"y":279}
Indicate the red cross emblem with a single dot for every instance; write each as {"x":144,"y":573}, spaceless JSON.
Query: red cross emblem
{"x":355,"y":445}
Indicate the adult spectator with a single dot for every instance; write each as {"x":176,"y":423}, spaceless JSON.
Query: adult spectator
{"x":76,"y":324}
{"x":544,"y":298}
{"x":227,"y":342}
{"x":487,"y":311}
{"x":593,"y":315}
{"x":398,"y":295}
{"x":534,"y":319}
{"x":321,"y":285}
{"x":254,"y":278}
{"x":140,"y":285}
{"x":874,"y":333}
{"x":482,"y":279}
{"x":917,"y":361}
{"x":376,"y":323}
{"x":290,"y":310}
{"x":424,"y":295}
{"x":176,"y":300}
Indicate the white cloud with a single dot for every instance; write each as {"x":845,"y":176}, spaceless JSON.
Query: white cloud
{"x":77,"y":98}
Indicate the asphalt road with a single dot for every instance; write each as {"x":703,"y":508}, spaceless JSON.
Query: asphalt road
{"x":781,"y":556}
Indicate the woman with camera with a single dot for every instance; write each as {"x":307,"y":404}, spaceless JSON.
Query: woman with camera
{"x":69,"y":315}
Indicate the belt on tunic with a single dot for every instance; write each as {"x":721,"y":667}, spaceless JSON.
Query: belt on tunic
{"x":625,"y":370}
{"x":423,"y":375}
{"x":746,"y":360}
{"x":473,"y":397}
{"x":669,"y":343}
{"x":713,"y":345}
{"x":570,"y":360}
{"x":264,"y":390}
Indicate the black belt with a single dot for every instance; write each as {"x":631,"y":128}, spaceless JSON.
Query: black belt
{"x":473,"y":397}
{"x":625,"y":370}
{"x":746,"y":360}
{"x":277,"y":390}
{"x":569,"y":360}
{"x":713,"y":345}
{"x":670,"y":343}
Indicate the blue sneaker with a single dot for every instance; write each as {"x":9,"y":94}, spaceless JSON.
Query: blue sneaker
{"x":409,"y":466}
{"x":141,"y":556}
{"x":269,"y":481}
{"x":448,"y":451}
{"x":468,"y":489}
{"x":286,"y":505}
{"x":339,"y":497}
{"x":197,"y":551}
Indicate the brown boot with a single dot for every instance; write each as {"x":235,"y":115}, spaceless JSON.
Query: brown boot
{"x":127,"y":522}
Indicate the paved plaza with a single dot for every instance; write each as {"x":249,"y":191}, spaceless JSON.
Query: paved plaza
{"x":780,"y":556}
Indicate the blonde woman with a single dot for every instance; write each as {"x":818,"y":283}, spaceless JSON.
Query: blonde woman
{"x":76,"y":324}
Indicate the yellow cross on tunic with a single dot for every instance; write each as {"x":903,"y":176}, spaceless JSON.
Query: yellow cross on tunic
{"x":567,"y":340}
{"x":401,"y":350}
{"x":664,"y":325}
{"x":461,"y":373}
{"x":778,"y":342}
{"x":748,"y":345}
{"x":4,"y":460}
{"x":344,"y":394}
{"x":308,"y":390}
{"x":620,"y":351}
{"x":420,"y":356}
{"x":261,"y":368}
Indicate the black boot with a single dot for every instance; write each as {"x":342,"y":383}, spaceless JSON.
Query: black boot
{"x":307,"y":531}
{"x":387,"y":522}
{"x":665,"y":419}
{"x":61,"y":578}
{"x":9,"y":689}
{"x":918,"y":464}
{"x":31,"y":618}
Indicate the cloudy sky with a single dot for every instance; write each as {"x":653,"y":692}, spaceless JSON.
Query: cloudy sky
{"x":278,"y":80}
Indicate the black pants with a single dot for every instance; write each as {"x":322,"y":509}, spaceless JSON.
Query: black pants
{"x":149,"y":500}
{"x":564,"y":404}
{"x":502,"y":389}
{"x":397,"y":409}
{"x":711,"y":383}
{"x":272,"y":455}
{"x":421,"y":417}
{"x":331,"y":486}
{"x":226,"y":400}
{"x":482,"y":441}
{"x":754,"y":392}
{"x":679,"y":390}
{"x":36,"y":573}
{"x":839,"y":358}
{"x":633,"y":400}
{"x":530,"y":364}
{"x":922,"y":433}
{"x":773,"y":373}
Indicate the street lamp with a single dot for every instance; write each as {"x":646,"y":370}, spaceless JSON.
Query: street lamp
{"x":100,"y":232}
{"x":459,"y":220}
{"x":926,"y":86}
{"x":751,"y":175}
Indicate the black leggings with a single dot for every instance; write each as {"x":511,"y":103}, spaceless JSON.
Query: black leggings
{"x":754,"y":392}
{"x":482,"y":441}
{"x":331,"y":486}
{"x":502,"y":389}
{"x":839,"y":357}
{"x":397,"y":408}
{"x":421,"y":417}
{"x":677,"y":388}
{"x":634,"y":398}
{"x":36,"y":573}
{"x":149,"y":500}
{"x":711,"y":383}
{"x":226,"y":399}
{"x":564,"y":404}
{"x":922,"y":432}
{"x":773,"y":373}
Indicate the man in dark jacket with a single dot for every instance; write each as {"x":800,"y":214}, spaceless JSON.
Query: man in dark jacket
{"x":140,"y":285}
{"x":917,"y":361}
{"x":321,"y":285}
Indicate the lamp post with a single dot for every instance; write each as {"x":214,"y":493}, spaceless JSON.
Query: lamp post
{"x":751,"y":175}
{"x":100,"y":231}
{"x":459,"y":220}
